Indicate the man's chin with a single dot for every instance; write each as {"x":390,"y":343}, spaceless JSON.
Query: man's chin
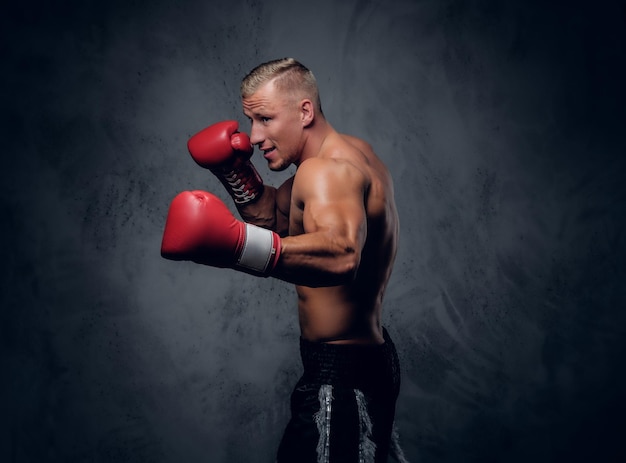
{"x":277,"y":167}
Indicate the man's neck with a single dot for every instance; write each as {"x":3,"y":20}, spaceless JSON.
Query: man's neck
{"x":316,"y":134}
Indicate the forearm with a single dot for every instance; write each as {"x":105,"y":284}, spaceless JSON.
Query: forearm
{"x":271,"y":209}
{"x":317,"y":259}
{"x":261,"y":212}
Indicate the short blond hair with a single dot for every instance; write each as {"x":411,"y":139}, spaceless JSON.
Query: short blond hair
{"x":291,"y":77}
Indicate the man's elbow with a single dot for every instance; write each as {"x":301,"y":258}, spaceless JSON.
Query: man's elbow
{"x":347,"y":271}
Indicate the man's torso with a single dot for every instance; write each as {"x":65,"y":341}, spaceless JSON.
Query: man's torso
{"x":351,"y":312}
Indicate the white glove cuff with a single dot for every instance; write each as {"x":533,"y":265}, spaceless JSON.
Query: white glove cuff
{"x":258,"y":250}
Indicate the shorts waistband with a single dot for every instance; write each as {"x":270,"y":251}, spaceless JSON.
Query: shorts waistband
{"x":352,"y":364}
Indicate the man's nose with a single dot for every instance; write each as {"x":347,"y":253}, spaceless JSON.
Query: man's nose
{"x":256,"y":134}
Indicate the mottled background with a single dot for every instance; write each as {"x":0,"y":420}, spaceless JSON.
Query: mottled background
{"x":503,"y":125}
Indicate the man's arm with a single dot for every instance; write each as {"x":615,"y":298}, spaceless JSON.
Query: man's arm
{"x":226,"y":152}
{"x":271,"y":209}
{"x":329,"y":195}
{"x":328,"y":198}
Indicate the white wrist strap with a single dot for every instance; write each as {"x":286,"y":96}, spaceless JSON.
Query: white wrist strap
{"x":258,"y":249}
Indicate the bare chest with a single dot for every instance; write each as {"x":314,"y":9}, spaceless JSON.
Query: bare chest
{"x":296,"y":220}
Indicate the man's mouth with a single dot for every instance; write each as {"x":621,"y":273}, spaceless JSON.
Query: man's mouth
{"x":268,"y":151}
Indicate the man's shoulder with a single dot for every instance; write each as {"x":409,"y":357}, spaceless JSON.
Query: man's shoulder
{"x":331,"y":165}
{"x":341,"y":159}
{"x":328,"y":175}
{"x":341,"y":146}
{"x":357,"y":143}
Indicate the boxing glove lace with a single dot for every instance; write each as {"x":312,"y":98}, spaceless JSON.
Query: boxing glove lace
{"x":226,"y":152}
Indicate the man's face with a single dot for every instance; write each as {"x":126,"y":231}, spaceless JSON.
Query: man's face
{"x":276,"y":126}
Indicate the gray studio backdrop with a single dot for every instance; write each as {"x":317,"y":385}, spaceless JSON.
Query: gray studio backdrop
{"x":502,"y":125}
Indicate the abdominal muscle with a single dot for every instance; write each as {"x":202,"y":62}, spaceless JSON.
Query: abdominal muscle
{"x":332,"y":315}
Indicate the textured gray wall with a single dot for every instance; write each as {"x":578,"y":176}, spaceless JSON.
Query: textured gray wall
{"x":503,"y":126}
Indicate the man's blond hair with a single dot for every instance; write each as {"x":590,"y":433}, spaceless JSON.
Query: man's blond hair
{"x":291,"y":77}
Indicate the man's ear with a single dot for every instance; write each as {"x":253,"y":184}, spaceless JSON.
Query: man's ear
{"x":307,"y":112}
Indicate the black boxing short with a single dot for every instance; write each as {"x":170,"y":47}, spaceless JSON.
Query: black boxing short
{"x":343,"y":406}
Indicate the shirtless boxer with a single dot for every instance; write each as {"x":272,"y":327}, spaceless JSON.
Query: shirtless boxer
{"x":332,"y":230}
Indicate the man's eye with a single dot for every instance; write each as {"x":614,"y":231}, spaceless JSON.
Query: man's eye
{"x":265,"y":119}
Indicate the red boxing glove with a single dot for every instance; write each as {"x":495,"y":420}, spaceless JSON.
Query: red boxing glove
{"x":226,"y":152}
{"x":200,"y":228}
